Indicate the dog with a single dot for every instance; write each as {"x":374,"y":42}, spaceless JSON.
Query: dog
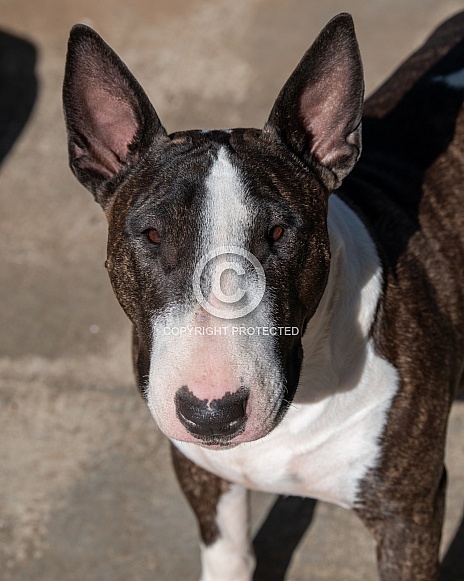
{"x":298,"y":314}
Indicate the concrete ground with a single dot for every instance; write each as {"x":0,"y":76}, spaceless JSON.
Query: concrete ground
{"x":86,"y":487}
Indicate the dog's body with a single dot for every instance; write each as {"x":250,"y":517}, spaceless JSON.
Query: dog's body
{"x":383,"y":325}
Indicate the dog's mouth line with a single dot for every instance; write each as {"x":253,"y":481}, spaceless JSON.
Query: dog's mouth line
{"x":215,"y":438}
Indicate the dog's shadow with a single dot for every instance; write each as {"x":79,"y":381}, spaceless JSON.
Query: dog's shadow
{"x":19,"y":88}
{"x":289,"y":519}
{"x":279,"y":536}
{"x":452,"y":566}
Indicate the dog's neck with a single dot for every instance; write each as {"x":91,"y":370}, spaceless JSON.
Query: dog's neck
{"x":336,"y":337}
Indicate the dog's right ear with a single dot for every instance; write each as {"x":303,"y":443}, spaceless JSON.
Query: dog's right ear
{"x":109,"y":119}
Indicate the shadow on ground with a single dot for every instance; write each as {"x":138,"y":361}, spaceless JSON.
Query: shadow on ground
{"x":19,"y":88}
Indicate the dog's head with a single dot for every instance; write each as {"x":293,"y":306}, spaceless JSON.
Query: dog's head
{"x":218,"y":248}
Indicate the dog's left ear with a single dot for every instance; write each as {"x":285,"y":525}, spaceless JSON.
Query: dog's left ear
{"x":318,"y":111}
{"x":110,"y":120}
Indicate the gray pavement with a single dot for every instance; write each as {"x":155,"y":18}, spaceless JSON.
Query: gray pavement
{"x":86,"y":487}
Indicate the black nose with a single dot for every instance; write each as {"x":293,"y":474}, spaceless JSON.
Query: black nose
{"x":212,"y":420}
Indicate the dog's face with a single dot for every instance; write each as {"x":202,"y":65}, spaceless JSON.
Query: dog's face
{"x":219,"y":209}
{"x":218,"y":248}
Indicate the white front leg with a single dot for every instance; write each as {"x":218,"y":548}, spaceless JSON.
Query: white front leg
{"x":230,"y":557}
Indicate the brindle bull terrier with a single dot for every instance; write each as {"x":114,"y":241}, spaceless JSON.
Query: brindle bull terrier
{"x":288,"y":337}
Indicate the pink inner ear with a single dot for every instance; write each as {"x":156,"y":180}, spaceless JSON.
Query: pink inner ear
{"x":112,"y":126}
{"x":325,"y":120}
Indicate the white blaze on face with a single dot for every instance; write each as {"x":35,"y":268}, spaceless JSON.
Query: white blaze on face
{"x":192,"y":347}
{"x":226,"y":218}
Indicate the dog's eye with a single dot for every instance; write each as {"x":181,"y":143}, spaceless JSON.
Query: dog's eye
{"x":276,"y":233}
{"x":153,"y":235}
